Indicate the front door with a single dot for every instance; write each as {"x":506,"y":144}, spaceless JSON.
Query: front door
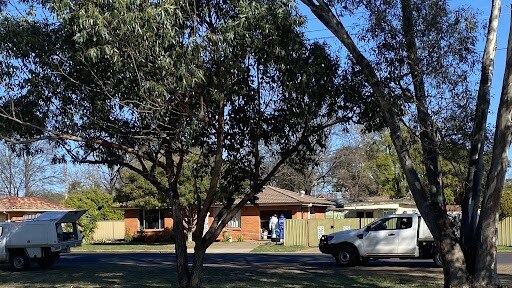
{"x":382,"y":237}
{"x":3,"y":253}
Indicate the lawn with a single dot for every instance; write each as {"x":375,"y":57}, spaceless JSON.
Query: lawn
{"x":132,"y":271}
{"x":223,"y":275}
{"x":129,"y":246}
{"x":271,"y":247}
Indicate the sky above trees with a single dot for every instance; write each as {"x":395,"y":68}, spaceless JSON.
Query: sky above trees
{"x":317,"y":31}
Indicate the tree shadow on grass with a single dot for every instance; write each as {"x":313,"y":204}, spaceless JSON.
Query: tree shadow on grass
{"x":235,"y":270}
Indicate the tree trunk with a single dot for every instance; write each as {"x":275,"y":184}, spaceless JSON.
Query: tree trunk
{"x":454,"y":263}
{"x":485,"y":264}
{"x":472,"y":189}
{"x":197,"y":267}
{"x":181,"y":245}
{"x":190,"y":231}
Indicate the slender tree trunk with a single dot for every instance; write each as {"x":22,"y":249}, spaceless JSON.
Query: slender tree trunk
{"x":435,"y":215}
{"x":485,"y":264}
{"x":180,"y":245}
{"x":197,"y":267}
{"x":473,"y":185}
{"x":454,"y":263}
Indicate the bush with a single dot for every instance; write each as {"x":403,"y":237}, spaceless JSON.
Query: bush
{"x":506,"y":203}
{"x":226,"y":236}
{"x":98,"y":205}
{"x":164,"y":236}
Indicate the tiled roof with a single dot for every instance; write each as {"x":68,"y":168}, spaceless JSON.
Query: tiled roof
{"x":278,"y":196}
{"x":28,"y":204}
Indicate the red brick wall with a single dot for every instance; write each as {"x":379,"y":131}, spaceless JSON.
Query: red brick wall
{"x":131,"y":221}
{"x":168,"y":221}
{"x":251,"y":223}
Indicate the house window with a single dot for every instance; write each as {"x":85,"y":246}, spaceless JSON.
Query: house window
{"x":363,"y":214}
{"x":152,"y":219}
{"x":30,"y":216}
{"x":235,"y":221}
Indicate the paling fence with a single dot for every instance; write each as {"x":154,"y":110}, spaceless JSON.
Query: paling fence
{"x":308,"y":232}
{"x":505,"y":232}
{"x":109,"y":231}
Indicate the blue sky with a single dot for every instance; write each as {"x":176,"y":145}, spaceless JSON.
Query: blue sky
{"x":317,"y":31}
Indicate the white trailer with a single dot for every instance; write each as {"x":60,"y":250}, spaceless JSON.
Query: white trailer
{"x":41,"y":240}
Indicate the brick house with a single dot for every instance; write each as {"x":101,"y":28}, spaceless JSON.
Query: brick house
{"x":24,"y":208}
{"x":248,"y":223}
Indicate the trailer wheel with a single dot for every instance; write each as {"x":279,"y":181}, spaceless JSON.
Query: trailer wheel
{"x":346,"y":256}
{"x":19,"y":261}
{"x":437,"y":259}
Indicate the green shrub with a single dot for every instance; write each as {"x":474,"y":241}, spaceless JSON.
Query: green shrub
{"x":164,"y":236}
{"x":226,"y":236}
{"x":506,"y":203}
{"x":99,"y":206}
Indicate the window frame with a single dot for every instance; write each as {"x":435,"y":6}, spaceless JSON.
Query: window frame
{"x":161,"y":220}
{"x":409,"y":224}
{"x":384,"y":220}
{"x":236,"y":221}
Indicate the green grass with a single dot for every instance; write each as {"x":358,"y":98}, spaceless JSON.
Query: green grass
{"x":227,"y":275}
{"x":504,"y":248}
{"x":278,"y":248}
{"x":128,"y":246}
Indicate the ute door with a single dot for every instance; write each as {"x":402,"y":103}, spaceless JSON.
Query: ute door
{"x":407,"y":235}
{"x":381,"y":237}
{"x":3,"y":240}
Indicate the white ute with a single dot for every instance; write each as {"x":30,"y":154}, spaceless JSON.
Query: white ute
{"x":403,"y":236}
{"x":40,"y":240}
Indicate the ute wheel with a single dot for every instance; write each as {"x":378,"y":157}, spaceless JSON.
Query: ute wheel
{"x":437,"y":259}
{"x":346,"y":256}
{"x":19,"y":262}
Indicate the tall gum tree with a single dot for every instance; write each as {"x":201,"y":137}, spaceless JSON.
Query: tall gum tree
{"x":409,"y":26}
{"x":144,"y":84}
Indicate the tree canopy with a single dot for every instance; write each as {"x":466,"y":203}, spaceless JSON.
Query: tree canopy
{"x":99,"y":206}
{"x":145,"y":85}
{"x":417,"y":57}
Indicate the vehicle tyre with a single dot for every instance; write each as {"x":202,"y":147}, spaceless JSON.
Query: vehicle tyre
{"x":19,"y":261}
{"x":347,"y":256}
{"x":437,"y":259}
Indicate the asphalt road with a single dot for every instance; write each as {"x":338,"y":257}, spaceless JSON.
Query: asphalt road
{"x":311,"y":260}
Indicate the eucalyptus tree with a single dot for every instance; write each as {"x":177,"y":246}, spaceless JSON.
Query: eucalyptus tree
{"x":417,"y":63}
{"x":144,"y":84}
